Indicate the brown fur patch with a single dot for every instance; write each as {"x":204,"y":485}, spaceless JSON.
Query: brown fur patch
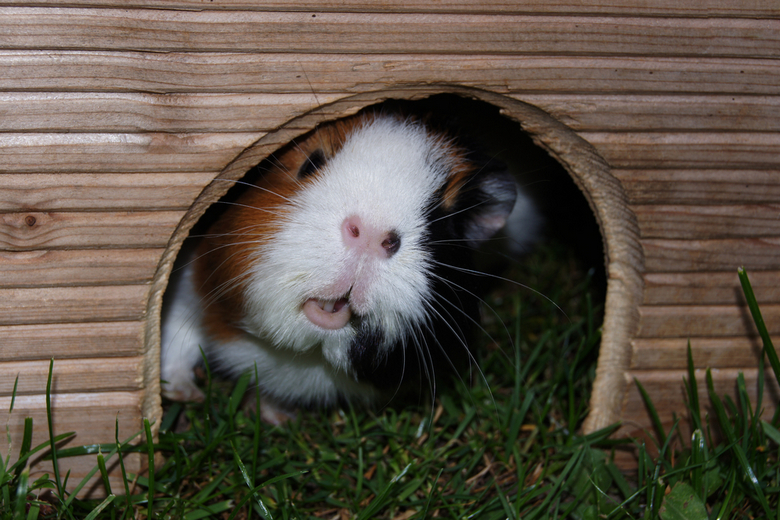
{"x":461,"y":172}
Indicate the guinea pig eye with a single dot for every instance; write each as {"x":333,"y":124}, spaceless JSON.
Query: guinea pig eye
{"x":313,"y":162}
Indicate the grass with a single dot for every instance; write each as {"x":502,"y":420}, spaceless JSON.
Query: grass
{"x":503,"y":444}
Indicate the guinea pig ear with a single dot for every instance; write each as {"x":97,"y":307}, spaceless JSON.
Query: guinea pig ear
{"x":499,"y":193}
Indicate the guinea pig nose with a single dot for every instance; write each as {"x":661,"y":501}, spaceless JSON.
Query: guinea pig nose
{"x":392,"y":243}
{"x":368,"y":240}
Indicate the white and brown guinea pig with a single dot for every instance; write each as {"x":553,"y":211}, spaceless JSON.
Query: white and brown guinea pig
{"x":344,"y":271}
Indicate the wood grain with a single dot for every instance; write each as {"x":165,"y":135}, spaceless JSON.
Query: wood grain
{"x":708,"y":222}
{"x":69,"y":340}
{"x":750,"y":8}
{"x":700,"y":186}
{"x":691,"y":321}
{"x":194,"y":112}
{"x":366,"y":33}
{"x":100,"y":191}
{"x":112,"y":153}
{"x":709,"y":288}
{"x":73,"y":304}
{"x":105,"y":71}
{"x":714,"y":352}
{"x":52,"y":268}
{"x":72,"y":375}
{"x":29,"y":231}
{"x":141,"y":112}
{"x":646,"y":112}
{"x":755,"y":254}
{"x":726,"y":150}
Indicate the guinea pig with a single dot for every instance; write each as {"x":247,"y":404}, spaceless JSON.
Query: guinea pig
{"x":344,"y":271}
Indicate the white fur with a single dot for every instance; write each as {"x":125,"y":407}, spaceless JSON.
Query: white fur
{"x":386,"y":173}
{"x":181,"y":337}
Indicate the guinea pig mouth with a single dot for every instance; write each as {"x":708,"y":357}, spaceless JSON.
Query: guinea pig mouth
{"x":328,"y":314}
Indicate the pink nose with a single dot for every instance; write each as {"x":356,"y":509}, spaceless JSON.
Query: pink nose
{"x":368,"y":240}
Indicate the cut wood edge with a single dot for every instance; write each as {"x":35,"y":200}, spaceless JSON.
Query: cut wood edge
{"x":609,"y":202}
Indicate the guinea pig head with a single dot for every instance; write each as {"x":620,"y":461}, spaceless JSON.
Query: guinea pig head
{"x":358,"y":241}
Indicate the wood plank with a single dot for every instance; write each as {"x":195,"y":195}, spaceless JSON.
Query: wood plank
{"x":104,"y":71}
{"x":643,"y":113}
{"x":68,"y":340}
{"x":700,"y":186}
{"x":750,"y":8}
{"x":709,"y":288}
{"x":114,"y":374}
{"x":114,"y":153}
{"x":667,"y":391}
{"x":28,"y":231}
{"x":142,"y":112}
{"x":193,"y":112}
{"x":73,"y":304}
{"x":708,"y":222}
{"x":78,"y":267}
{"x":691,"y":321}
{"x":92,"y":416}
{"x":671,"y":354}
{"x":755,"y":254}
{"x":403,"y":33}
{"x":100,"y":191}
{"x":734,"y":151}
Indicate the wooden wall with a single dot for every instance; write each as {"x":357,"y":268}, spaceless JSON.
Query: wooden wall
{"x":114,"y":115}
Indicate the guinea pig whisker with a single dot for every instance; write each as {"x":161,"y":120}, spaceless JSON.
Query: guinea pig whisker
{"x":503,"y":279}
{"x":480,"y":300}
{"x":255,"y":186}
{"x":425,"y":361}
{"x":472,"y":360}
{"x":255,"y":208}
{"x":462,"y":210}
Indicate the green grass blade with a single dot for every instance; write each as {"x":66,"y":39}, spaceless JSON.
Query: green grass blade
{"x":257,"y":427}
{"x":150,"y":459}
{"x":33,"y":513}
{"x":52,"y":441}
{"x":26,"y":443}
{"x":13,"y":395}
{"x":381,"y":500}
{"x":94,"y":470}
{"x":101,"y":462}
{"x":22,"y":486}
{"x":750,"y":297}
{"x":248,"y":481}
{"x":735,"y":447}
{"x":653,"y":414}
{"x":517,"y":419}
{"x":249,"y":496}
{"x":692,"y":391}
{"x":123,"y":472}
{"x":771,"y":432}
{"x":21,"y":461}
{"x":210,"y":511}
{"x":726,"y":507}
{"x":95,"y":512}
